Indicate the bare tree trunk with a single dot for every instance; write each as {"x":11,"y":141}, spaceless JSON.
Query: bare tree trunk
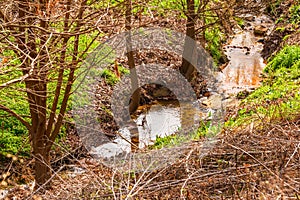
{"x":187,"y":69}
{"x":135,"y":98}
{"x":134,"y":81}
{"x":42,"y":166}
{"x":40,"y":142}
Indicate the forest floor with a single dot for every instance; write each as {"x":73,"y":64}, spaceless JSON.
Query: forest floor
{"x":258,"y":160}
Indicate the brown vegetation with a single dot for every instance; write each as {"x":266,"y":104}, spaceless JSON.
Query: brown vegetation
{"x":252,"y":162}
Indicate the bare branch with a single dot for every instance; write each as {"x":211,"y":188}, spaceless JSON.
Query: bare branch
{"x":17,"y":116}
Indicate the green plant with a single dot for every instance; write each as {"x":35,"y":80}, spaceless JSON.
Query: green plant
{"x":11,"y":98}
{"x":280,"y":28}
{"x":278,"y":98}
{"x":285,"y":59}
{"x":213,"y":37}
{"x":273,"y":6}
{"x":294,"y":12}
{"x":239,"y":21}
{"x":285,"y":37}
{"x":280,"y":19}
{"x":12,"y":144}
{"x":110,"y":76}
{"x":161,"y":6}
{"x":177,"y":139}
{"x":123,"y":70}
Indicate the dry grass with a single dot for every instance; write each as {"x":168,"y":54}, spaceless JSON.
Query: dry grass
{"x":260,"y":162}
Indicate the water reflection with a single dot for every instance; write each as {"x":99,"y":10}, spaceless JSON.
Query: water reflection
{"x":158,"y":120}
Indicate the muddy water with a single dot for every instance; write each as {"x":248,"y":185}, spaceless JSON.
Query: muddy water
{"x":158,"y":120}
{"x":246,"y":63}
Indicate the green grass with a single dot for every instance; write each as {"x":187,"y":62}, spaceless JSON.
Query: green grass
{"x":204,"y":130}
{"x":279,"y":96}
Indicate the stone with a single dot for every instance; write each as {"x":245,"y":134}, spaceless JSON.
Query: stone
{"x":262,"y":40}
{"x":249,"y":18}
{"x":161,"y":92}
{"x":3,"y":194}
{"x":223,"y":59}
{"x":260,"y":30}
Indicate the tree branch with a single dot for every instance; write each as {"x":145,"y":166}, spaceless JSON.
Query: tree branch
{"x":17,"y":116}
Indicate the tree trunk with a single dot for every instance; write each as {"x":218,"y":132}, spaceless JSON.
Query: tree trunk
{"x":43,"y":59}
{"x":187,"y":69}
{"x":135,"y":98}
{"x":40,"y":142}
{"x":42,"y":169}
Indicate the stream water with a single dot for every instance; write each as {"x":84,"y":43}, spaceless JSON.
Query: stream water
{"x":158,"y":120}
{"x":241,"y":73}
{"x":246,"y":64}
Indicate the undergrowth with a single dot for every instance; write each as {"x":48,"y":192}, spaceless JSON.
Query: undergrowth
{"x":110,"y":76}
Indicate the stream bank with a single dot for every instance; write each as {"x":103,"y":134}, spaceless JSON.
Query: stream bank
{"x":162,"y":118}
{"x":245,"y":164}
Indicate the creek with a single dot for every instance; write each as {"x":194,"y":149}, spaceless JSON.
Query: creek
{"x":242,"y":73}
{"x":243,"y":51}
